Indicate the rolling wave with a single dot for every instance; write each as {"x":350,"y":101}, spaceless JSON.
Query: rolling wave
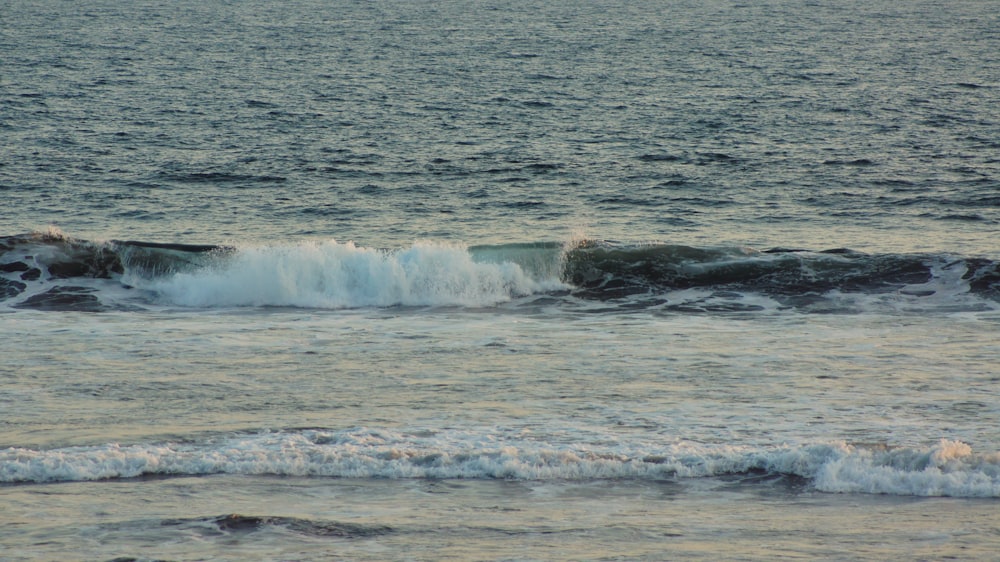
{"x":50,"y":271}
{"x":947,"y":468}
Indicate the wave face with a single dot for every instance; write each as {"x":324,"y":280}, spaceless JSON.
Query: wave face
{"x":336,"y":275}
{"x":949,"y":468}
{"x":605,"y":268}
{"x":50,"y":271}
{"x":53,"y":272}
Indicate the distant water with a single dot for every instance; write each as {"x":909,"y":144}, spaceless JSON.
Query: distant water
{"x":499,"y":280}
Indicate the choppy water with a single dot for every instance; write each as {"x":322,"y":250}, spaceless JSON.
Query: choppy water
{"x":488,"y":280}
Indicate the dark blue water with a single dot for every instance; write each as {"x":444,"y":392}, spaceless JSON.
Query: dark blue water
{"x":868,"y":125}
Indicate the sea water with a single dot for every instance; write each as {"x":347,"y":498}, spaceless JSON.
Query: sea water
{"x":499,"y":280}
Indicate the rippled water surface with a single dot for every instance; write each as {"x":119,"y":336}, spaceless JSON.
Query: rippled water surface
{"x":499,"y":280}
{"x":762,"y":123}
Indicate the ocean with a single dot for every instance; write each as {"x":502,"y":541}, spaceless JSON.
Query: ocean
{"x":499,"y":280}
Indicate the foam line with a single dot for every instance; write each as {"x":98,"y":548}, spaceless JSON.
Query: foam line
{"x":948,"y":468}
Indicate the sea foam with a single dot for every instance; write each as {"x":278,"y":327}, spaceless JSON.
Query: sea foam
{"x":948,"y":468}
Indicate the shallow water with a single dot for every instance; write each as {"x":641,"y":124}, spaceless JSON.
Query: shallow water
{"x":358,"y":519}
{"x":599,"y":436}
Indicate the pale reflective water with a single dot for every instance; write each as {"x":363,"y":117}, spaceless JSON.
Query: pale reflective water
{"x":439,"y":382}
{"x":185,"y":519}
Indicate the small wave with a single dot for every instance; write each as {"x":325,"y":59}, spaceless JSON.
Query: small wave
{"x":947,"y":468}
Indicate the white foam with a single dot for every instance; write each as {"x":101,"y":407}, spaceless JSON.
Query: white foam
{"x":949,"y":468}
{"x":341,"y":275}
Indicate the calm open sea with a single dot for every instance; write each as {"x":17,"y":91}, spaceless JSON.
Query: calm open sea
{"x":497,"y":279}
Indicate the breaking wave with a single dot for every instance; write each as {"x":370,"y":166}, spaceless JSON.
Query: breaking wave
{"x":50,"y":271}
{"x":947,"y":468}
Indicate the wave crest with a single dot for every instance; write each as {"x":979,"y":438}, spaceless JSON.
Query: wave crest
{"x":949,"y":468}
{"x":50,"y":271}
{"x":340,"y":275}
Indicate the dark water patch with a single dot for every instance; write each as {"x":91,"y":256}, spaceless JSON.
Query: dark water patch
{"x":369,"y":189}
{"x":481,"y":193}
{"x":705,"y":158}
{"x":330,"y":210}
{"x":970,"y":201}
{"x":502,"y":170}
{"x":543,"y":167}
{"x":222,"y":178}
{"x":626,"y":201}
{"x":859,"y":162}
{"x":68,"y":269}
{"x":192,"y":248}
{"x":65,"y":299}
{"x":765,"y":483}
{"x":917,"y":292}
{"x":706,"y":306}
{"x":62,"y":257}
{"x":660,"y":158}
{"x":523,"y":204}
{"x":545,"y":77}
{"x":32,"y":274}
{"x":674,"y":182}
{"x":991,"y":201}
{"x":969,"y":171}
{"x":897,"y":185}
{"x":14,"y":267}
{"x":676,"y":221}
{"x":346,"y":173}
{"x":241,"y":524}
{"x":606,"y":270}
{"x":944,"y":120}
{"x":960,"y":217}
{"x":10,"y":288}
{"x":983,"y":277}
{"x":135,"y":214}
{"x":701,"y":201}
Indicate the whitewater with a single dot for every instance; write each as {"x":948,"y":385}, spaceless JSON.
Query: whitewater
{"x":947,"y":469}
